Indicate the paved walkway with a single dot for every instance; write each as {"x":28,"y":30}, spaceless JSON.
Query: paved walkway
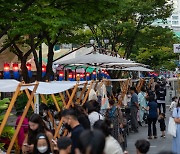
{"x":157,"y":145}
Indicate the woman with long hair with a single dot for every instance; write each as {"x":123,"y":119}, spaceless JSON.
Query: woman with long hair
{"x":36,"y":126}
{"x":176,"y":140}
{"x":114,"y":114}
{"x":42,"y":145}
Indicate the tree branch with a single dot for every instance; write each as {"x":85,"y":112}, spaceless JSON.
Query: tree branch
{"x":20,"y":53}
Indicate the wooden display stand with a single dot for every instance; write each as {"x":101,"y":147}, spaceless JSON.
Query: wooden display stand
{"x":29,"y":103}
{"x":30,"y":97}
{"x":124,"y":89}
{"x":140,"y":84}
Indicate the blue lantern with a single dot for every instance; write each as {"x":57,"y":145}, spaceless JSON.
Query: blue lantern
{"x":61,"y":75}
{"x":94,"y":75}
{"x":87,"y":76}
{"x":7,"y":74}
{"x":16,"y":71}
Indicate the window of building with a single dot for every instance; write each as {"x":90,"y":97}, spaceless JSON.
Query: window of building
{"x":175,"y":22}
{"x":175,"y":17}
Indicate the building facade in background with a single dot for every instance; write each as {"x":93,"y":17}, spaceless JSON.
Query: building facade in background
{"x":173,"y":22}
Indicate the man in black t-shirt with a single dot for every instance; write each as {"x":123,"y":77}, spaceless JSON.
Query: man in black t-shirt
{"x":71,"y":121}
{"x":161,"y":94}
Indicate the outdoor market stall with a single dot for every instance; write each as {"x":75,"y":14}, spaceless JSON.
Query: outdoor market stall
{"x":42,"y":88}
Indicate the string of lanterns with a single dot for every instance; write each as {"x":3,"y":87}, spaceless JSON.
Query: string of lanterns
{"x":72,"y":76}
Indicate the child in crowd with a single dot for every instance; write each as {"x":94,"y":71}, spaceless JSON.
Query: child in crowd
{"x":161,"y":120}
{"x":173,"y":103}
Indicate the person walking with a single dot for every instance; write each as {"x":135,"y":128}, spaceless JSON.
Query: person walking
{"x":70,"y":119}
{"x":173,"y":104}
{"x":115,"y":115}
{"x":161,"y":120}
{"x":161,"y":94}
{"x":134,"y":106}
{"x":111,"y":146}
{"x":176,"y":140}
{"x":142,"y":104}
{"x":152,"y":117}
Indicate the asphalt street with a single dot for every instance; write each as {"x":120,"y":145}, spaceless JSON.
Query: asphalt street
{"x":157,"y":145}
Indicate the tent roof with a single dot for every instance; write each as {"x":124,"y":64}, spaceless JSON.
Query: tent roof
{"x":93,"y":59}
{"x":75,"y":53}
{"x":139,"y":68}
{"x":54,"y":87}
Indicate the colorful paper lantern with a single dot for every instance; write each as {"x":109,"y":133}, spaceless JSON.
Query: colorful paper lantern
{"x":43,"y":70}
{"x":28,"y":65}
{"x":16,"y":71}
{"x":87,"y":76}
{"x":61,"y":75}
{"x":7,"y":74}
{"x":82,"y":77}
{"x":94,"y":75}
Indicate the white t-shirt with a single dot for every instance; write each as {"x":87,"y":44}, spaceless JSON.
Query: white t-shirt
{"x":112,"y":146}
{"x":94,"y":116}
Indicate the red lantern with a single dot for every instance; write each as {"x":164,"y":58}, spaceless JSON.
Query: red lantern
{"x":28,"y":65}
{"x":6,"y":67}
{"x":82,"y":75}
{"x":15,"y":67}
{"x":94,"y":72}
{"x":70,"y":76}
{"x":61,"y":74}
{"x":77,"y":75}
{"x":87,"y":74}
{"x":43,"y":68}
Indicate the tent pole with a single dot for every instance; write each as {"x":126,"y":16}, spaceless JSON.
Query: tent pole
{"x":49,"y":113}
{"x":87,"y":93}
{"x":56,"y":103}
{"x":67,"y":107}
{"x":62,"y":97}
{"x":10,"y":107}
{"x":82,"y":92}
{"x":22,"y":118}
{"x":28,"y":95}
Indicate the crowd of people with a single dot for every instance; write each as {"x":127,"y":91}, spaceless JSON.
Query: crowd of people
{"x":87,"y":130}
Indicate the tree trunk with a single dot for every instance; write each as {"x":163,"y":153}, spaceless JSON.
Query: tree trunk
{"x":24,"y":70}
{"x":49,"y":71}
{"x":39,"y":71}
{"x":40,"y":62}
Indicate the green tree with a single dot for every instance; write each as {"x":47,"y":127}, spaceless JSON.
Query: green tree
{"x":123,"y":28}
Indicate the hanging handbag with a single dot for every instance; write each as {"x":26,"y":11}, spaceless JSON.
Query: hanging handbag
{"x":172,"y":127}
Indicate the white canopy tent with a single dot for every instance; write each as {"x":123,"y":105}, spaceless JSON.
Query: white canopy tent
{"x":43,"y":87}
{"x":80,"y":52}
{"x":93,"y":59}
{"x":139,"y":69}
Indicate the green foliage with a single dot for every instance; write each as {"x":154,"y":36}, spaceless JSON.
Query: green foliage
{"x":8,"y":132}
{"x":127,"y":23}
{"x":50,"y":101}
{"x":157,"y":58}
{"x":3,"y":105}
{"x":21,"y":102}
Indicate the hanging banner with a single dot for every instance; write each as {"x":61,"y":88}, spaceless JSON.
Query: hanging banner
{"x":36,"y":106}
